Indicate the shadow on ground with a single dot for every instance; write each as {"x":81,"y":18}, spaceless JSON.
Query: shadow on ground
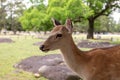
{"x":51,"y":67}
{"x":6,"y":40}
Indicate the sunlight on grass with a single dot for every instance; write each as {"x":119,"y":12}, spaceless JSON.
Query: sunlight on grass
{"x":11,"y":53}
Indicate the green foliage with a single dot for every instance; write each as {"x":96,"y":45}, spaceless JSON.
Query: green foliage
{"x":38,"y":17}
{"x":68,"y":9}
{"x":35,"y":17}
{"x":10,"y":11}
{"x":117,"y":27}
{"x":105,"y":23}
{"x":81,"y":27}
{"x":31,"y":19}
{"x":3,"y":14}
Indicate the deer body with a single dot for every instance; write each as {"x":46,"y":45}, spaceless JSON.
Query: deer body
{"x":74,"y":58}
{"x":96,"y":64}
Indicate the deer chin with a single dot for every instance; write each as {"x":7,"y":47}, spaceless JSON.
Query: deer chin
{"x":46,"y":50}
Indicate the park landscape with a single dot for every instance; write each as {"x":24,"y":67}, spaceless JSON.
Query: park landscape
{"x":25,"y":25}
{"x":22,"y":47}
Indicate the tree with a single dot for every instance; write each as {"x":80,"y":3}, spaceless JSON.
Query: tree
{"x":32,"y":18}
{"x":100,"y":7}
{"x":86,"y":9}
{"x":15,"y":9}
{"x":117,"y":27}
{"x":77,"y":10}
{"x":105,"y":24}
{"x":2,"y":13}
{"x":81,"y":26}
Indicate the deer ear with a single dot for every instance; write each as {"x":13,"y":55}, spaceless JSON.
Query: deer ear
{"x":69,"y":25}
{"x":55,"y":22}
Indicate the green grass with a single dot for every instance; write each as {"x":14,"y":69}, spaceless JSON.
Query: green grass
{"x":11,"y":53}
{"x":115,"y":42}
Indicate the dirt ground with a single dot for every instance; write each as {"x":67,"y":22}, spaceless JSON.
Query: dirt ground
{"x":87,"y":44}
{"x":90,"y":44}
{"x":6,"y":40}
{"x":51,"y":67}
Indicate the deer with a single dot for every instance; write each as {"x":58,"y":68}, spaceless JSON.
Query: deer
{"x":94,"y":64}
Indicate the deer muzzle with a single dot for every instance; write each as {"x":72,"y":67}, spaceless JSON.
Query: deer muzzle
{"x":42,"y":48}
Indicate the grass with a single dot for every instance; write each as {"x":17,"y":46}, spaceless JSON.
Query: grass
{"x":115,"y":42}
{"x":11,"y":53}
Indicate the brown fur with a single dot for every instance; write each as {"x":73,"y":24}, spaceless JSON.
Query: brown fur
{"x":96,"y":64}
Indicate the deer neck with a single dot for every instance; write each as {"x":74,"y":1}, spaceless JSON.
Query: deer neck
{"x":73,"y":56}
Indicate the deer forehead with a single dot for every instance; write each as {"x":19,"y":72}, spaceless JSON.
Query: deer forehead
{"x":57,"y":29}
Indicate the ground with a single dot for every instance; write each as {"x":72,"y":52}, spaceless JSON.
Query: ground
{"x":6,"y":40}
{"x":11,"y":53}
{"x":53,"y":63}
{"x":50,"y":66}
{"x":22,"y":48}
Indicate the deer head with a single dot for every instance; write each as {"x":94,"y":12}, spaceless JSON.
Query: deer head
{"x":58,"y":36}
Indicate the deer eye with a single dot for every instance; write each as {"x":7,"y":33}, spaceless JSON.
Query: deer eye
{"x":58,"y":35}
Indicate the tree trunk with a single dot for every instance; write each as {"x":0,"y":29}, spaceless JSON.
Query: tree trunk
{"x":90,"y":34}
{"x":14,"y":31}
{"x":45,"y":32}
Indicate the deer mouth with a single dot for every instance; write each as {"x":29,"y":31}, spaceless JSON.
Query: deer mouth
{"x":45,"y":50}
{"x":42,"y":48}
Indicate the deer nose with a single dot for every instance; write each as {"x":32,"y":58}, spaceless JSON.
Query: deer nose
{"x":41,"y":47}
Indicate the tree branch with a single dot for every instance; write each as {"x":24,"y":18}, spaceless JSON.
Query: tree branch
{"x":78,"y":19}
{"x":107,"y":14}
{"x":109,"y":5}
{"x":102,"y":12}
